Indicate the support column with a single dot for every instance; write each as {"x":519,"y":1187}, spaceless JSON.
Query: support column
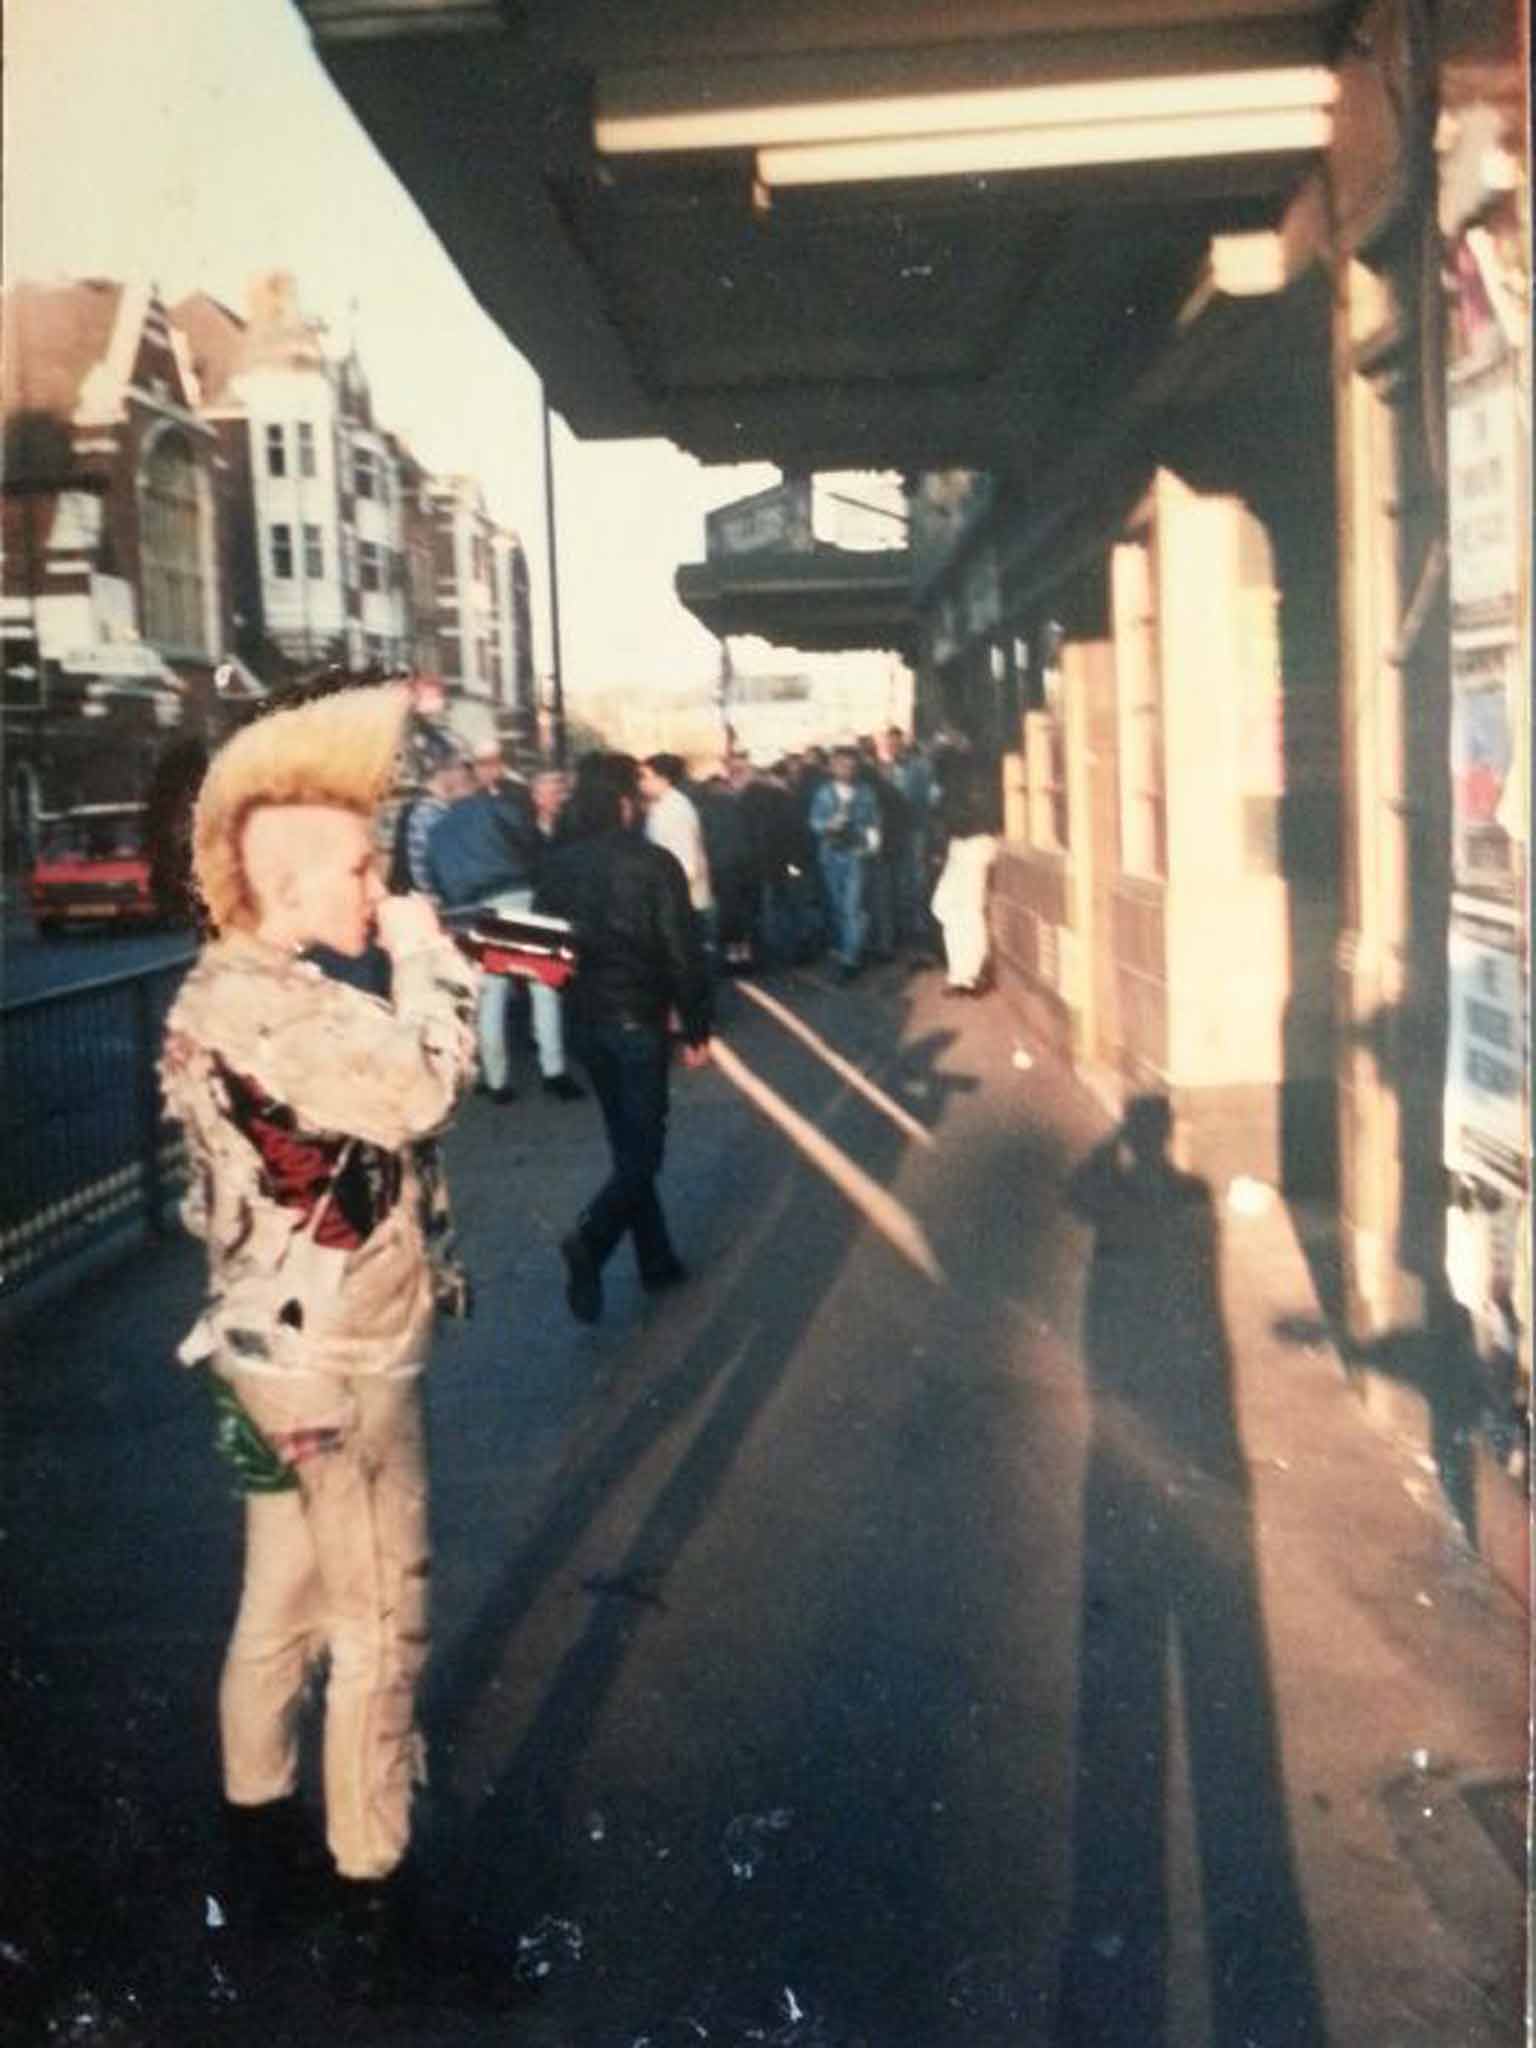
{"x":1372,"y":968}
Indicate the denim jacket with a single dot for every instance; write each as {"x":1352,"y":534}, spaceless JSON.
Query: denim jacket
{"x":846,"y":818}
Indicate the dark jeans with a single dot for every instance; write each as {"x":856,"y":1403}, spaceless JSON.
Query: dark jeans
{"x":629,"y":1067}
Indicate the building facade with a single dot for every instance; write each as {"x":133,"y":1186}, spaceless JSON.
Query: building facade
{"x":314,"y":501}
{"x":116,"y":608}
{"x":481,"y":599}
{"x":517,"y":717}
{"x":201,"y":504}
{"x":1254,"y":663}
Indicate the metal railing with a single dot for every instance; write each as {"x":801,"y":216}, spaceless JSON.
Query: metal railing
{"x":84,"y":1147}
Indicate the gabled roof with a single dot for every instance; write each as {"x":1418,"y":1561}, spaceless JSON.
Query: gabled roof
{"x":216,"y":337}
{"x":146,"y":354}
{"x":72,"y":350}
{"x":55,"y":335}
{"x":225,"y":345}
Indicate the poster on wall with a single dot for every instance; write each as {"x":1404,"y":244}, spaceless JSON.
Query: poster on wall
{"x":1485,"y":1102}
{"x":1487,"y":789}
{"x":1486,"y":508}
{"x":1487,"y":1094}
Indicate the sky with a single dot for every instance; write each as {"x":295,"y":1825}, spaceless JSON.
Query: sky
{"x":195,"y":143}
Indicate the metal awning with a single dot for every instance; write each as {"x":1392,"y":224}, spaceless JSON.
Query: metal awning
{"x":667,"y":280}
{"x":833,"y":600}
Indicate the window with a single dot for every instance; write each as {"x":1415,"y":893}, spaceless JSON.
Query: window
{"x":282,"y":550}
{"x":1045,"y":744}
{"x":277,"y":451}
{"x":1046,"y":758}
{"x":314,"y":554}
{"x":362,"y":472}
{"x":1139,"y":709}
{"x":306,"y":449}
{"x":369,"y":572}
{"x":174,"y":591}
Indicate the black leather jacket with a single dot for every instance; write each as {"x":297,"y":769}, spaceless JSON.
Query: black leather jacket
{"x":638,"y":941}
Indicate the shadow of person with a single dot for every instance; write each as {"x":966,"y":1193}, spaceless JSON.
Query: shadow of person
{"x":651,"y":1475}
{"x":1171,"y":1612}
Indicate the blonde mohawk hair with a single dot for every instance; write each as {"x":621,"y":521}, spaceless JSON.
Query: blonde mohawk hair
{"x":342,"y":750}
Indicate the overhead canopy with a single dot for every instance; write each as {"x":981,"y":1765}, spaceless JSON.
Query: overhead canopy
{"x":825,"y":602}
{"x":615,"y":183}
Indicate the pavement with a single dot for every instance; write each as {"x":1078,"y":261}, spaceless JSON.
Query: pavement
{"x":951,"y":1620}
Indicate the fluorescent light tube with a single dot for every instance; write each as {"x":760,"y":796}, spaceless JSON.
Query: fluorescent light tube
{"x":1041,"y":149}
{"x":1251,"y":90}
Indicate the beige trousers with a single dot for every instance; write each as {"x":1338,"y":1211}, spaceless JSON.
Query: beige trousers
{"x":339,"y":1566}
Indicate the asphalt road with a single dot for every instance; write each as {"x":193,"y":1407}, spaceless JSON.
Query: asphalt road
{"x":882,"y":1642}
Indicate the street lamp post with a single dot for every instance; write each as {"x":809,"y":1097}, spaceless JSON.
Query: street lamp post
{"x":556,"y":678}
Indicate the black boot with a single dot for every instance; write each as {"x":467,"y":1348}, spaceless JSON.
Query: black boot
{"x":368,"y":1951}
{"x":384,"y":1950}
{"x":278,"y":1873}
{"x":583,"y":1279}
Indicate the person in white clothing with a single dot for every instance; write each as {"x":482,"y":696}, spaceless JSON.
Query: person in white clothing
{"x":960,"y":899}
{"x":672,"y":821}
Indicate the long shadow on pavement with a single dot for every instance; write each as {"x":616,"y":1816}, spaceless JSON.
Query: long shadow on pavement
{"x":1170,"y":1595}
{"x":871,"y":1615}
{"x":732,"y":1365}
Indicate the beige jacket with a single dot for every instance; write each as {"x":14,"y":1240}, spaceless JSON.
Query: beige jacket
{"x":303,"y":1100}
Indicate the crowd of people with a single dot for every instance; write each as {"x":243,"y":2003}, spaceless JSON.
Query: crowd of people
{"x":835,"y":853}
{"x":316,"y":1051}
{"x":863,"y":853}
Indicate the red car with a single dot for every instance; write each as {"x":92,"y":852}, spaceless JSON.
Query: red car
{"x":92,"y":868}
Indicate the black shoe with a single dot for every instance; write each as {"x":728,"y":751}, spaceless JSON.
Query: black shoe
{"x":564,"y":1089}
{"x":278,"y":1873}
{"x":382,"y":1949}
{"x":365,"y":1952}
{"x":583,"y":1279}
{"x":673,"y":1274}
{"x":506,"y":1093}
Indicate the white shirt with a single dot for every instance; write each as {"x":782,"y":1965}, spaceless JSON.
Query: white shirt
{"x":673,"y":822}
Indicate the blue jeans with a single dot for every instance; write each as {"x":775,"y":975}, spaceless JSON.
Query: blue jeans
{"x":843,"y":874}
{"x":629,"y":1067}
{"x":880,"y":896}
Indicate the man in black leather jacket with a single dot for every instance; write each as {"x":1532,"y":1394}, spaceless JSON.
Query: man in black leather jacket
{"x":640,"y":959}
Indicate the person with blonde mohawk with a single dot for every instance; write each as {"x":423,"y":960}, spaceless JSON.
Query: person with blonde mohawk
{"x":305,"y":1103}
